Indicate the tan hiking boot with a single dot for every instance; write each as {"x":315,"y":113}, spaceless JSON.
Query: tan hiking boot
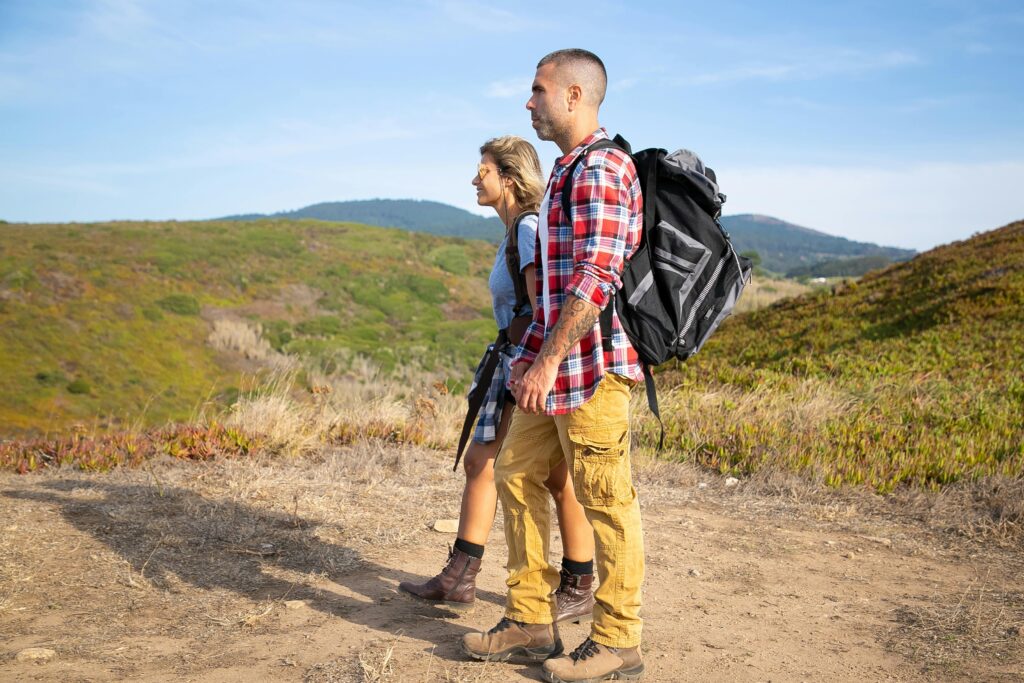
{"x":455,"y":586}
{"x":574,"y":599}
{"x":513,"y":638}
{"x":592,"y":662}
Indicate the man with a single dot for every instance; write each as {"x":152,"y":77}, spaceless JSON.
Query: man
{"x":572,"y":393}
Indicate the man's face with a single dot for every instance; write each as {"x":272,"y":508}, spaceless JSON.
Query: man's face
{"x":547,"y":105}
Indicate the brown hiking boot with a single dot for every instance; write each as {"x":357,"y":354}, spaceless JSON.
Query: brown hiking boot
{"x":592,"y":662}
{"x":511,"y":638}
{"x":574,"y":599}
{"x":455,"y":586}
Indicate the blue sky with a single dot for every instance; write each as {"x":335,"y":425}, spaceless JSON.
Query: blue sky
{"x":895,"y":122}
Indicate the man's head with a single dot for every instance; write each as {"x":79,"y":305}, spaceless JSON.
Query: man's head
{"x":567,"y":93}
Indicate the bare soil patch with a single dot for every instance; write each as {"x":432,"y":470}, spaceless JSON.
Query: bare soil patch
{"x":288,"y":570}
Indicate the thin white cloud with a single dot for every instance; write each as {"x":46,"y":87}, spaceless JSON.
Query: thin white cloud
{"x":510,"y":88}
{"x":907,"y":205}
{"x":60,"y":179}
{"x":924,"y":104}
{"x":623,"y":84}
{"x":117,"y":19}
{"x":801,"y":103}
{"x":485,"y":17}
{"x":810,"y":67}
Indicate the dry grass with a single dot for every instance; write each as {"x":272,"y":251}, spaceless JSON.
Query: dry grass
{"x":348,"y":407}
{"x":763,"y":291}
{"x":944,"y":632}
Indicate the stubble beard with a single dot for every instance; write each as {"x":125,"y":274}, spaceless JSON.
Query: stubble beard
{"x":549,"y":131}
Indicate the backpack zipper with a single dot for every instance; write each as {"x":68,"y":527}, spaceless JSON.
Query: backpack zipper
{"x":696,"y":305}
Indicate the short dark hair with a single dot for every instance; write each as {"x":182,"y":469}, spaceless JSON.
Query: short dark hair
{"x":585,"y":65}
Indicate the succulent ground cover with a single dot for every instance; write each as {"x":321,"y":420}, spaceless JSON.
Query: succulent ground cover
{"x":911,"y":375}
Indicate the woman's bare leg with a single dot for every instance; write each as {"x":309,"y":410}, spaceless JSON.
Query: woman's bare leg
{"x":577,"y":535}
{"x":479,"y":497}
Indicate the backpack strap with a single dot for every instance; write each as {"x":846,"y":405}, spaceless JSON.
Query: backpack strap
{"x":649,"y":188}
{"x":479,"y":394}
{"x":604,"y":143}
{"x":514,"y":264}
{"x":652,"y":401}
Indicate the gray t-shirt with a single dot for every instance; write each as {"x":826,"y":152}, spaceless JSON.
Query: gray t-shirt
{"x":503,"y":290}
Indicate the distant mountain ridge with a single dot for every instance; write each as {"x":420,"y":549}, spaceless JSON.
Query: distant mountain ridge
{"x":785,"y":247}
{"x":782,"y":246}
{"x":417,"y":215}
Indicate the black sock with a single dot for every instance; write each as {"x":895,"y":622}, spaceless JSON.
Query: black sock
{"x":578,"y":568}
{"x":471,"y":549}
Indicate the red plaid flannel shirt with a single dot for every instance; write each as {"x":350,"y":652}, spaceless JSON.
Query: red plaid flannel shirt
{"x":586,"y":254}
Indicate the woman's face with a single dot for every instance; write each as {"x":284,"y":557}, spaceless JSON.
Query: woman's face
{"x":488,"y":183}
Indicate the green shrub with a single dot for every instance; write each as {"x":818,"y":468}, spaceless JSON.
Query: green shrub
{"x":322,"y":326}
{"x":78,"y":386}
{"x":50,"y":377}
{"x":152,"y":314}
{"x":426,"y":289}
{"x":451,"y":258}
{"x":277,"y":333}
{"x":182,"y":304}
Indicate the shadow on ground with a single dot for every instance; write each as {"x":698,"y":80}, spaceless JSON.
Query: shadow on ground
{"x":173,"y":534}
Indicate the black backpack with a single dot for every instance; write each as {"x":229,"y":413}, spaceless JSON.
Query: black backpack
{"x":685,"y":277}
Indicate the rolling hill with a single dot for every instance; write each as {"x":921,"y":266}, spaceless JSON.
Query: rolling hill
{"x":912,"y":374}
{"x":110,"y":324}
{"x":409,"y":214}
{"x":784,"y":246}
{"x":781,"y":245}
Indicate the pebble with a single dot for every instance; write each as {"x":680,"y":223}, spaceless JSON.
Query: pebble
{"x":39,"y":655}
{"x":887,"y":542}
{"x":447,"y":526}
{"x":702,"y":485}
{"x":850,"y":556}
{"x":695,"y":572}
{"x":732,"y":481}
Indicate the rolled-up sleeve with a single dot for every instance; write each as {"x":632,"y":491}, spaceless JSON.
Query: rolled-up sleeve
{"x":600,"y":220}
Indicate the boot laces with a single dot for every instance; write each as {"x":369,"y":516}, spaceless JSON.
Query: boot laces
{"x":586,"y":649}
{"x":502,"y":625}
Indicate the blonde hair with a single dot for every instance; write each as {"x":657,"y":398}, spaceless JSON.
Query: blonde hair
{"x":517,"y":159}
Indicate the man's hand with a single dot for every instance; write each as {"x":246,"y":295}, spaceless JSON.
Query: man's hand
{"x":534,"y":387}
{"x":531,"y":388}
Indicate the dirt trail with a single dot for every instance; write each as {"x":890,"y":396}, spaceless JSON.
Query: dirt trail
{"x":287,"y":571}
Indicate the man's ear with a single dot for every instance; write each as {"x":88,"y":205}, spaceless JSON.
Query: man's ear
{"x":573,"y":96}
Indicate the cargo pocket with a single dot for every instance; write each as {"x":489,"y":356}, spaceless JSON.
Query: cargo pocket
{"x":601,"y":473}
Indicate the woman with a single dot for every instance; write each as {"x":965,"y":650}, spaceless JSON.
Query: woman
{"x":509,"y":181}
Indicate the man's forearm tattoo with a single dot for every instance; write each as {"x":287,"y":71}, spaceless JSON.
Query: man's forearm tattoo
{"x":577,"y":320}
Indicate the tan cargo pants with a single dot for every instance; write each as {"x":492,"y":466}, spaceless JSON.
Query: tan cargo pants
{"x":594,"y":440}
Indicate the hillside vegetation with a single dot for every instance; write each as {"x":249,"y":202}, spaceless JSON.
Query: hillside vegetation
{"x":113,"y":324}
{"x":911,"y":375}
{"x":855,"y":266}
